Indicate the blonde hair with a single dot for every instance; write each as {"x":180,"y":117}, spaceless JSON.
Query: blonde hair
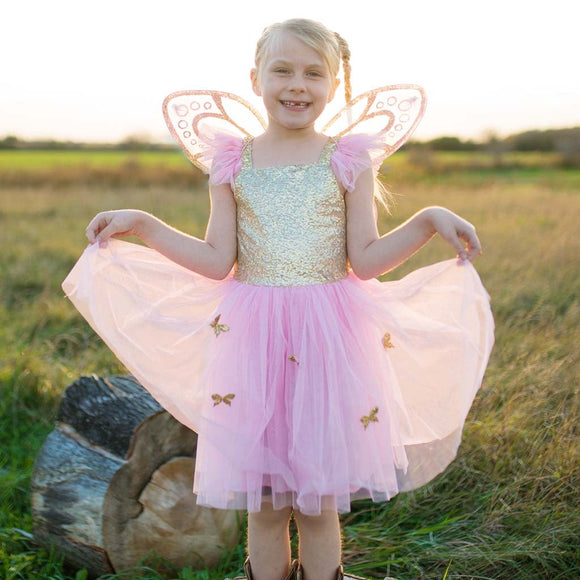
{"x":330,"y":45}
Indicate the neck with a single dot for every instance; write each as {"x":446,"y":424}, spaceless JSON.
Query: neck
{"x":287,"y":147}
{"x":275,"y":132}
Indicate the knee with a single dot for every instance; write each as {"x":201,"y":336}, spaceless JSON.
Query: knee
{"x":269,"y":517}
{"x":327,"y":519}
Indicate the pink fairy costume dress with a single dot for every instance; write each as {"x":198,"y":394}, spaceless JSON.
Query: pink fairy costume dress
{"x":307,"y":386}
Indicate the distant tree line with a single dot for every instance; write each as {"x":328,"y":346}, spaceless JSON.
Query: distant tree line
{"x":565,"y":141}
{"x":556,"y":140}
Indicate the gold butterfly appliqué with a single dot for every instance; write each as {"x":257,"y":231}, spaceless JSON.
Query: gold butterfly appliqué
{"x":366,"y":420}
{"x":227,"y":399}
{"x":217,"y":327}
{"x":387,"y":341}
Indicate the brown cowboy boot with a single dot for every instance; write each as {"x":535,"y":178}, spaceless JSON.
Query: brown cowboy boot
{"x":340,"y":575}
{"x":248,"y":571}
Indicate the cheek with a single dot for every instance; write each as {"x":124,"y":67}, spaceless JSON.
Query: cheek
{"x":326,"y":94}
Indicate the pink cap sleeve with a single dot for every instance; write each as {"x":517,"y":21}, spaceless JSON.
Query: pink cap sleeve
{"x":225,"y":155}
{"x":354,"y":154}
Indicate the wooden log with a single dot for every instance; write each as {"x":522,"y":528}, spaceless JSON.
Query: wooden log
{"x":148,"y":495}
{"x":113,"y":483}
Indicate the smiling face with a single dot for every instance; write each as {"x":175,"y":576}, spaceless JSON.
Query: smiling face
{"x":295,"y":83}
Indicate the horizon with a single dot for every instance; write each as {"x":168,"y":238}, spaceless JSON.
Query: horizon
{"x":144,"y":139}
{"x":99,"y":73}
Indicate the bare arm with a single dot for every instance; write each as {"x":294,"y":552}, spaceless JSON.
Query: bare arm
{"x":371,"y":255}
{"x":212,"y":257}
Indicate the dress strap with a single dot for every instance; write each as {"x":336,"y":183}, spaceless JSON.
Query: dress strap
{"x":246,"y":156}
{"x":328,"y":150}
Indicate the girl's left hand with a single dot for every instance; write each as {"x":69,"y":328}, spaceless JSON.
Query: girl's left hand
{"x":456,"y":231}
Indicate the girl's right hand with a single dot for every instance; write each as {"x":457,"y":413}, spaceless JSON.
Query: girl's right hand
{"x":114,"y":224}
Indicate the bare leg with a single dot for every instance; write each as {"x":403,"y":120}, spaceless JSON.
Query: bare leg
{"x":319,"y":545}
{"x":269,"y":543}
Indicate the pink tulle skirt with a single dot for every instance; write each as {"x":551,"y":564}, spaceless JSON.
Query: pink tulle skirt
{"x":302,"y":396}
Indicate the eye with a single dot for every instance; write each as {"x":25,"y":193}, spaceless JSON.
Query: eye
{"x":281,"y":70}
{"x":314,"y":74}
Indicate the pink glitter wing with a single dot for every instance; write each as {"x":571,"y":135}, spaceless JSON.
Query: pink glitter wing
{"x":195,"y":118}
{"x":388,"y":114}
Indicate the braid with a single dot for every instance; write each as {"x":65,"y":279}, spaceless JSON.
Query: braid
{"x":345,"y":57}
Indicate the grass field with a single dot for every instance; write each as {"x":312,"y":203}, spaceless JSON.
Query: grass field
{"x":507,"y":508}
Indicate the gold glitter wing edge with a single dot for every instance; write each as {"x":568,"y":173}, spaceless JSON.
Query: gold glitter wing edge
{"x":194,"y":118}
{"x":390,"y":113}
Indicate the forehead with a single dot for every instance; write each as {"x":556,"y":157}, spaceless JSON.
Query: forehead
{"x":285,"y":46}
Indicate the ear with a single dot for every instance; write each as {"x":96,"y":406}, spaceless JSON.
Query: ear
{"x":255,"y":82}
{"x":333,"y":90}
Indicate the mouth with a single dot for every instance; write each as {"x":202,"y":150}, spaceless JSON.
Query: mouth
{"x":296,"y":105}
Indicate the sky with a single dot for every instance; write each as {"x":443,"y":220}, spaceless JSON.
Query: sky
{"x":98,"y":71}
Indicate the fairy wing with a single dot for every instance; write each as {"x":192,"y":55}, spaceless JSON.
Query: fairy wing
{"x":388,"y":113}
{"x":194,"y":118}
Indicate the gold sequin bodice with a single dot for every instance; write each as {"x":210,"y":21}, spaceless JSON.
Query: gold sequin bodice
{"x":291,"y":223}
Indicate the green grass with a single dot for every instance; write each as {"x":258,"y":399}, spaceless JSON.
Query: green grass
{"x":507,"y":508}
{"x":112,"y":168}
{"x":48,"y":159}
{"x":45,"y":159}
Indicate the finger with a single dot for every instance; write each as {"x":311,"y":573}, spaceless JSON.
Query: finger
{"x":455,"y":242}
{"x":474,"y":252}
{"x":107,"y":232}
{"x":96,"y":225}
{"x":473,"y":246}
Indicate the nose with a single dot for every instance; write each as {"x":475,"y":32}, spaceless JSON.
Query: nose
{"x":297,"y":84}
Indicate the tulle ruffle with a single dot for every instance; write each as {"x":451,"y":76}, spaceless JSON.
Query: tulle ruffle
{"x":307,"y":396}
{"x":226,"y":154}
{"x":354,"y":154}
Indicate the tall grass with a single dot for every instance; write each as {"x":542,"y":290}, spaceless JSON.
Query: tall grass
{"x":507,"y":508}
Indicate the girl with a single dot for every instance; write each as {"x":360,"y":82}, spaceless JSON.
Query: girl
{"x":308,"y":383}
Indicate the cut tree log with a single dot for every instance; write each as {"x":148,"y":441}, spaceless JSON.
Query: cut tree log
{"x":112,"y":484}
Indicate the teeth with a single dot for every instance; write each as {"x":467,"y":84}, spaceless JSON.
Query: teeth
{"x":294,"y":104}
